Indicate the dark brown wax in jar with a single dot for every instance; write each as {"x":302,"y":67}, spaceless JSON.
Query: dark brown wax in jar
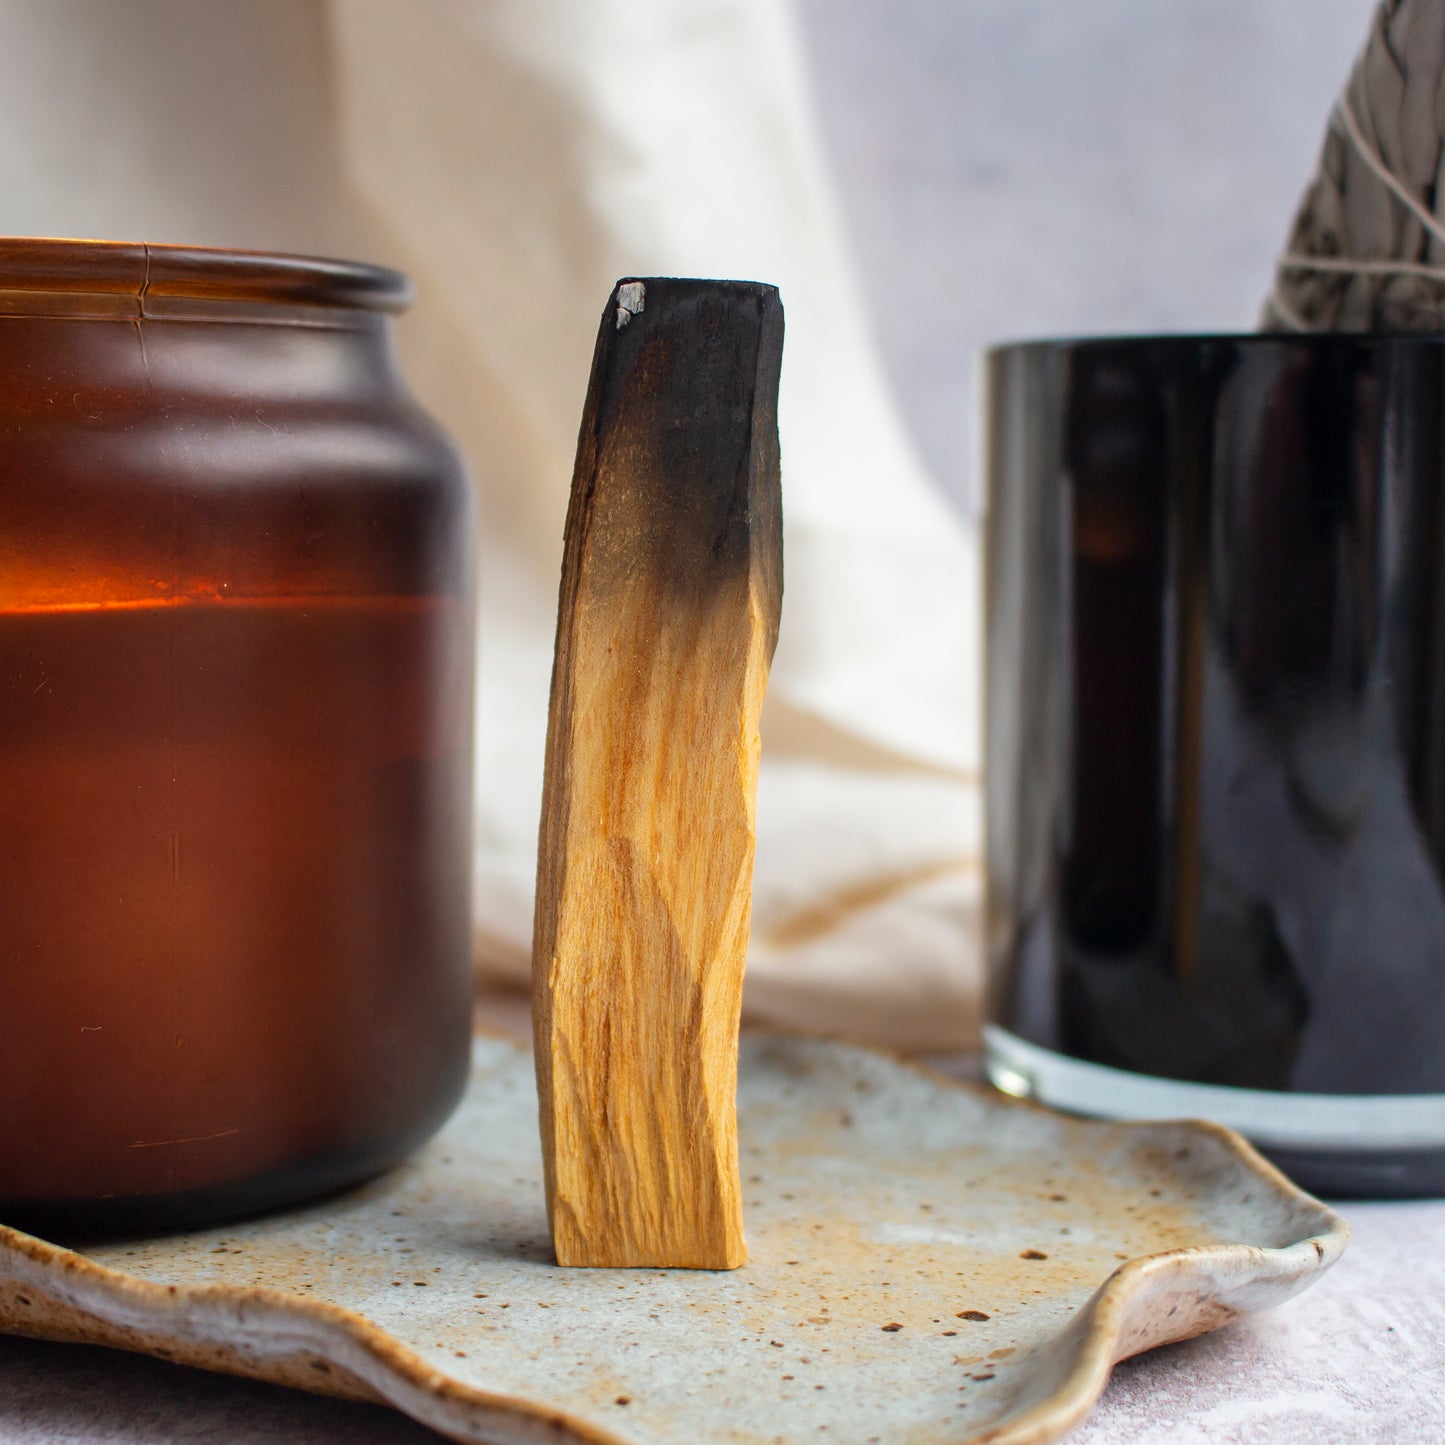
{"x":235,"y":737}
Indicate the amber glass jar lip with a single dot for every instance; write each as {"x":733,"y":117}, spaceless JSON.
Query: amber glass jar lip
{"x":60,"y":265}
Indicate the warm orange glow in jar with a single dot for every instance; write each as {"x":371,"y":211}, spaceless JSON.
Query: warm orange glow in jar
{"x":235,"y":736}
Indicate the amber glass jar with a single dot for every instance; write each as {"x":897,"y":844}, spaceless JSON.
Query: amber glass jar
{"x":235,"y":736}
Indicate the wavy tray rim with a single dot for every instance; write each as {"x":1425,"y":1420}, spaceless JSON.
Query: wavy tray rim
{"x":257,"y":1331}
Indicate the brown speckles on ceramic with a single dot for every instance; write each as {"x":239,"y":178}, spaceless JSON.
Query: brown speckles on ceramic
{"x":929,"y":1261}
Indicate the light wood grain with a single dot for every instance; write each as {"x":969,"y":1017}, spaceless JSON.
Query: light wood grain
{"x":668,"y":615}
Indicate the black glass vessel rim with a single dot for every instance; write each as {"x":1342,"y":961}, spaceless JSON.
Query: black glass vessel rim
{"x":1185,"y":342}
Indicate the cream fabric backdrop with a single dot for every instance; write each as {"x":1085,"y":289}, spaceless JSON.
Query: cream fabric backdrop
{"x":516,"y":157}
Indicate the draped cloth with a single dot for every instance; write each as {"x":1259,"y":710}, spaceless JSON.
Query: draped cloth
{"x":516,"y":157}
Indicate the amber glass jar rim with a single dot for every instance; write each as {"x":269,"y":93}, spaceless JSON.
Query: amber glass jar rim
{"x":54,"y":265}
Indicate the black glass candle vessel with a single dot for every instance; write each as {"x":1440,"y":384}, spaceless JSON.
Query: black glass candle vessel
{"x":1216,"y":741}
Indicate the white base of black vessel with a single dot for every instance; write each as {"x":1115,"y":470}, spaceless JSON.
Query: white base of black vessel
{"x":1344,"y":1145}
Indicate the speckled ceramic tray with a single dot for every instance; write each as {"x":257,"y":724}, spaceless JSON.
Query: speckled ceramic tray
{"x":930,"y":1262}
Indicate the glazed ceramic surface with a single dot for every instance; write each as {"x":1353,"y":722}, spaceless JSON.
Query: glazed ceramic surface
{"x":929,"y":1262}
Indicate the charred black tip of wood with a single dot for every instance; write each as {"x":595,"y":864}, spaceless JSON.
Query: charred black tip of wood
{"x":644,"y":306}
{"x":680,"y":434}
{"x":631,"y":295}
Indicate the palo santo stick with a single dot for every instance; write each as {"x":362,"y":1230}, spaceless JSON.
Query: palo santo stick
{"x":671,"y":590}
